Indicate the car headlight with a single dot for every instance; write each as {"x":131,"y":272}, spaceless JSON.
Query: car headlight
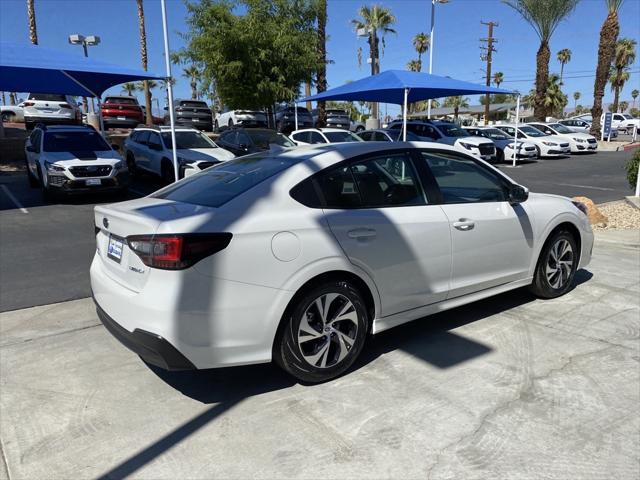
{"x":52,"y":167}
{"x":468,"y":146}
{"x":579,"y":140}
{"x":580,"y":206}
{"x":550,"y":144}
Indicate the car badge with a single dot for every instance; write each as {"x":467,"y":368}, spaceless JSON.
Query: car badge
{"x":105,"y":222}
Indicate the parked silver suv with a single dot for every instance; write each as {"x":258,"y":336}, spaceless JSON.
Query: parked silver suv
{"x":51,"y":109}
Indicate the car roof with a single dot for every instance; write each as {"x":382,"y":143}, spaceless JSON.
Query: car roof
{"x":131,"y":97}
{"x":67,"y":128}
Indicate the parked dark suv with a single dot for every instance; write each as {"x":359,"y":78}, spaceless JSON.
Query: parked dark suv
{"x":336,"y":118}
{"x":192,"y":114}
{"x":286,"y":119}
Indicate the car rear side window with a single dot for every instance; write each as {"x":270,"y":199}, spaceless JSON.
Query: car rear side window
{"x":222,"y":183}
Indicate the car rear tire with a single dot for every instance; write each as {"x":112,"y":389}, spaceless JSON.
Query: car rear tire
{"x":323,"y":332}
{"x":6,"y":117}
{"x":359,"y":129}
{"x":230,"y":123}
{"x":131,"y":165}
{"x":216,"y":127}
{"x":33,"y":181}
{"x":556,"y":267}
{"x":499,"y":156}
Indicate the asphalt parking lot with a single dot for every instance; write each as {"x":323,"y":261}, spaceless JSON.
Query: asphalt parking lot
{"x":507,"y":388}
{"x":47,"y":248}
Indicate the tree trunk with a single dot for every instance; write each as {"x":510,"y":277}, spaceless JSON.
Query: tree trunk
{"x":606,"y":50}
{"x":307,"y":93}
{"x":373,"y":42}
{"x":321,"y":78}
{"x":31,"y":13}
{"x":542,"y":77}
{"x":143,"y":57}
{"x":561,"y":71}
{"x":455,"y":113}
{"x":616,"y":99}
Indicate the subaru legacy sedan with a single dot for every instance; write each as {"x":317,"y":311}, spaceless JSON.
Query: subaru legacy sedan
{"x":299,"y":256}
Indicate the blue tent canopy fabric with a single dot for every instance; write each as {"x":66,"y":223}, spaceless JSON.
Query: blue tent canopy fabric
{"x":390,"y":86}
{"x":36,"y":69}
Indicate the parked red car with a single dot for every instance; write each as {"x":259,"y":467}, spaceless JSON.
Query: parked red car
{"x":121,"y":112}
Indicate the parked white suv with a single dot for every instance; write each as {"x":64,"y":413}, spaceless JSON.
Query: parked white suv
{"x":73,"y":159}
{"x":546,"y":145}
{"x":451,"y":134}
{"x":623,"y":122}
{"x":245,"y":118}
{"x":51,"y":109}
{"x":579,"y":142}
{"x":311,"y":136}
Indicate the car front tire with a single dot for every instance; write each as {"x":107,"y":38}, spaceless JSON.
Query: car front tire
{"x":324,"y":332}
{"x":33,"y":181}
{"x":557,"y":265}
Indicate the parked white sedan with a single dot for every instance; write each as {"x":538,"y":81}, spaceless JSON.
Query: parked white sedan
{"x":546,"y":145}
{"x":312,"y":136}
{"x":298,"y":256}
{"x":579,"y":142}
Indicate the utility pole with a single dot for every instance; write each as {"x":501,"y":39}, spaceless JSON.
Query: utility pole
{"x":487,"y":55}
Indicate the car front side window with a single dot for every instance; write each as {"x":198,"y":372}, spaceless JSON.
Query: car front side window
{"x":461,"y":180}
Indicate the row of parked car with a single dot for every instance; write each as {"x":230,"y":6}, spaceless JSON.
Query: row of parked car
{"x":77,"y":159}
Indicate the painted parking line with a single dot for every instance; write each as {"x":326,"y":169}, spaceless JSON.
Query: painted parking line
{"x":13,"y":199}
{"x":586,"y":186}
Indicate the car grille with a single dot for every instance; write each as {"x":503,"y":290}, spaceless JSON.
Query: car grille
{"x":486,"y":149}
{"x":91,"y":171}
{"x":564,"y":145}
{"x":529,"y":149}
{"x":592,"y":140}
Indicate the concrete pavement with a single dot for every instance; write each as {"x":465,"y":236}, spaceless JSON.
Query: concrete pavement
{"x":507,"y":388}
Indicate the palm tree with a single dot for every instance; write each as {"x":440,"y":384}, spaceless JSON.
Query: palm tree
{"x":193,"y":74}
{"x":623,"y":106}
{"x":576,"y":97}
{"x":564,"y":57}
{"x":321,"y":74}
{"x":377,"y":21}
{"x":421,"y":43}
{"x":457,"y":103}
{"x":498,"y":78}
{"x":554,"y":99}
{"x":544,"y":16}
{"x":606,"y":51}
{"x":625,"y":55}
{"x":129,"y":88}
{"x":31,"y":14}
{"x":143,"y":57}
{"x":414,"y":66}
{"x":634,"y":95}
{"x":151,"y":84}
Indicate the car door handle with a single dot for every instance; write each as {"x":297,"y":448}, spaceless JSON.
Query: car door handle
{"x":464,"y":224}
{"x":361,"y":233}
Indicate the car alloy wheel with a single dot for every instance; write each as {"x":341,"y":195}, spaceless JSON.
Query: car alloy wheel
{"x":327,"y":330}
{"x":559,"y":264}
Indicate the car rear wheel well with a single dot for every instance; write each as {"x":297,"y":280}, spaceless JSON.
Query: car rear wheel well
{"x":337,"y":276}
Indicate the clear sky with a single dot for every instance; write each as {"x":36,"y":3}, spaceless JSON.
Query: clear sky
{"x":456,"y":52}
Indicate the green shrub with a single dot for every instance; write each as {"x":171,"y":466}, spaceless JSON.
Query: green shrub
{"x":632,"y":168}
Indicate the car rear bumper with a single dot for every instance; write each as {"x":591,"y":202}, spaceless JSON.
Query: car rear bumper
{"x":200,"y":123}
{"x":51,"y":120}
{"x":150,"y":347}
{"x":128,"y":122}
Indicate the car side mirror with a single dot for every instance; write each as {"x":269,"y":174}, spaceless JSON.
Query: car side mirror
{"x":518,"y":194}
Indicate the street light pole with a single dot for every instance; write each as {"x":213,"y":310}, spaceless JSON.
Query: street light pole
{"x":89,"y":40}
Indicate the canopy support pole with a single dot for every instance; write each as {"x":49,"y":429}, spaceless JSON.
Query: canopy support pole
{"x":515,"y":139}
{"x":404,"y":115}
{"x":94,"y":94}
{"x":295,"y":113}
{"x":169,"y":89}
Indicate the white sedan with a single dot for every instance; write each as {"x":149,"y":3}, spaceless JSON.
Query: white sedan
{"x":298,"y":256}
{"x":546,"y":145}
{"x":579,"y":142}
{"x":312,"y":136}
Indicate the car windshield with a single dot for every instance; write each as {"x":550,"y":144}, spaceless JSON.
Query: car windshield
{"x":74,"y":142}
{"x":495,"y":134}
{"x":627,"y":116}
{"x":188,"y":140}
{"x":558,"y":127}
{"x":218,"y":185}
{"x":264,"y":139}
{"x":452,"y":131}
{"x":342,"y":136}
{"x":121,"y":101}
{"x":532,"y":132}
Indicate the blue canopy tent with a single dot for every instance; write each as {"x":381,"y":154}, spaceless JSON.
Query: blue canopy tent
{"x":36,"y":69}
{"x":402,"y":87}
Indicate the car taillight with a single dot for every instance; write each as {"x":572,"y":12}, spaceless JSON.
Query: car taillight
{"x":179,"y":109}
{"x":29,"y":104}
{"x":65,"y":105}
{"x":177,"y":251}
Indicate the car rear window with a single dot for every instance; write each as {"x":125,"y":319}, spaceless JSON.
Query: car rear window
{"x":192,"y":104}
{"x":47,"y":97}
{"x":74,"y":142}
{"x":121,"y":101}
{"x":222,"y":183}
